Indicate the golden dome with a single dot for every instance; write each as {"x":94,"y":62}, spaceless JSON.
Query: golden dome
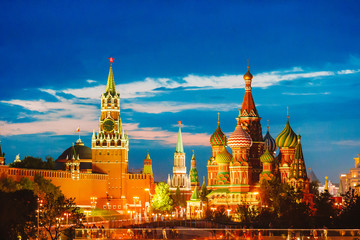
{"x":248,"y":75}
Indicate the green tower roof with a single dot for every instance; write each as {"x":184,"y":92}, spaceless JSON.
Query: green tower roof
{"x":287,"y":138}
{"x":195,"y":195}
{"x":298,"y":168}
{"x":110,"y":86}
{"x":179,"y":143}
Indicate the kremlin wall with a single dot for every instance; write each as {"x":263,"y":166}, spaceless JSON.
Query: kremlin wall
{"x":233,"y":177}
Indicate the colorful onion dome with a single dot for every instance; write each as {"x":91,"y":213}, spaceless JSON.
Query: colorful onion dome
{"x":223,"y":157}
{"x":287,"y":138}
{"x":239,"y":138}
{"x":218,"y":138}
{"x":267,"y":157}
{"x":270,"y":141}
{"x":248,"y":75}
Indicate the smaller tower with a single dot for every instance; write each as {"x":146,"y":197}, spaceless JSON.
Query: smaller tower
{"x":270,"y":141}
{"x":148,"y":165}
{"x":298,"y":175}
{"x":194,"y":177}
{"x":326,"y":187}
{"x":267,"y":160}
{"x":286,"y":141}
{"x":179,"y":178}
{"x":73,"y":164}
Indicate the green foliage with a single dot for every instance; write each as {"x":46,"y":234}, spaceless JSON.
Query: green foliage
{"x":53,"y":206}
{"x":246,"y":214}
{"x":325,"y":212}
{"x":34,"y":163}
{"x":351,"y":211}
{"x":285,"y":203}
{"x":162,"y":201}
{"x":178,"y":199}
{"x":221,"y":215}
{"x":17,"y":214}
{"x":203,"y":193}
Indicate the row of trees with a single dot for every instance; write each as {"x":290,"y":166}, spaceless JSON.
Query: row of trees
{"x":165,"y":202}
{"x":27,"y":205}
{"x":281,"y":207}
{"x":284,"y":207}
{"x":34,"y":163}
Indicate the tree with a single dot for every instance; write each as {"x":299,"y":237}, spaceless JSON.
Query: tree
{"x":203,"y":192}
{"x":178,"y":199}
{"x":325,"y":212}
{"x":53,"y":213}
{"x":162,"y":201}
{"x":34,"y":163}
{"x":246,"y":214}
{"x":17,"y":216}
{"x":351,"y":211}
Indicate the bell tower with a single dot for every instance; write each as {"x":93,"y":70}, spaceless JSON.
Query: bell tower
{"x":110,"y":145}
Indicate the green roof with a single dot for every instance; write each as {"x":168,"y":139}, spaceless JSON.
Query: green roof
{"x":195,"y":195}
{"x":110,"y":86}
{"x":179,"y":143}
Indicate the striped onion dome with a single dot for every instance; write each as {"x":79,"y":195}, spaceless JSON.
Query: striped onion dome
{"x":269,"y":141}
{"x":218,"y":138}
{"x":223,"y":157}
{"x":239,"y":138}
{"x":267,"y":157}
{"x":287,"y":138}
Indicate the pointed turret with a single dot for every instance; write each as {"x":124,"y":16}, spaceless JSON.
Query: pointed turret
{"x":195,"y":195}
{"x":326,"y":187}
{"x":248,"y":108}
{"x":179,"y":143}
{"x":194,"y":177}
{"x":110,"y":86}
{"x":270,"y":141}
{"x":148,"y":165}
{"x":298,"y":173}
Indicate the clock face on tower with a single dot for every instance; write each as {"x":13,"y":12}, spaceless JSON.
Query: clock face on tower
{"x":108,"y":125}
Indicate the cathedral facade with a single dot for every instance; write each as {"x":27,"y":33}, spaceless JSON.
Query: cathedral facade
{"x":234,"y":178}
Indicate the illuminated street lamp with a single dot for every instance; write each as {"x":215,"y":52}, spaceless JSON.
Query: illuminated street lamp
{"x":38,"y":214}
{"x":87,"y":213}
{"x":228,"y":210}
{"x":93,"y":202}
{"x":67,"y":217}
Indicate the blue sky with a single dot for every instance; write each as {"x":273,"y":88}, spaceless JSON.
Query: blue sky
{"x":180,"y":61}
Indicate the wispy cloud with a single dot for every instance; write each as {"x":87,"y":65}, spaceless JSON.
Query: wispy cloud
{"x":348,"y":71}
{"x":165,"y":106}
{"x":91,"y":81}
{"x":305,"y":94}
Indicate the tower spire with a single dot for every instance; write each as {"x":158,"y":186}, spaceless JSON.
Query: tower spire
{"x":110,"y":86}
{"x":218,"y":118}
{"x":267,"y":127}
{"x":179,"y":143}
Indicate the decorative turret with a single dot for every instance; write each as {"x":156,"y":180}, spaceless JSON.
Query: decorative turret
{"x":287,"y":138}
{"x":286,"y":141}
{"x":179,"y":178}
{"x":110,"y":86}
{"x":267,"y":160}
{"x":223,"y":160}
{"x":239,"y":138}
{"x":218,"y":138}
{"x":298,"y":175}
{"x":194,"y":177}
{"x":148,"y":165}
{"x":248,"y":108}
{"x":270,"y":141}
{"x":179,"y":143}
{"x":326,"y":186}
{"x":195,"y":195}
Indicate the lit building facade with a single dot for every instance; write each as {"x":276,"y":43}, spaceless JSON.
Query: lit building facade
{"x":234,"y":178}
{"x":101,"y":171}
{"x":351,"y":179}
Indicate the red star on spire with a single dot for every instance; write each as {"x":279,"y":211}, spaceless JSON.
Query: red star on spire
{"x":179,"y":122}
{"x":111,"y":59}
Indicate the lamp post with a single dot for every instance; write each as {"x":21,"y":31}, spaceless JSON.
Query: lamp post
{"x":87,"y":213}
{"x":135,"y":198}
{"x":93,"y":202}
{"x":67,"y":217}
